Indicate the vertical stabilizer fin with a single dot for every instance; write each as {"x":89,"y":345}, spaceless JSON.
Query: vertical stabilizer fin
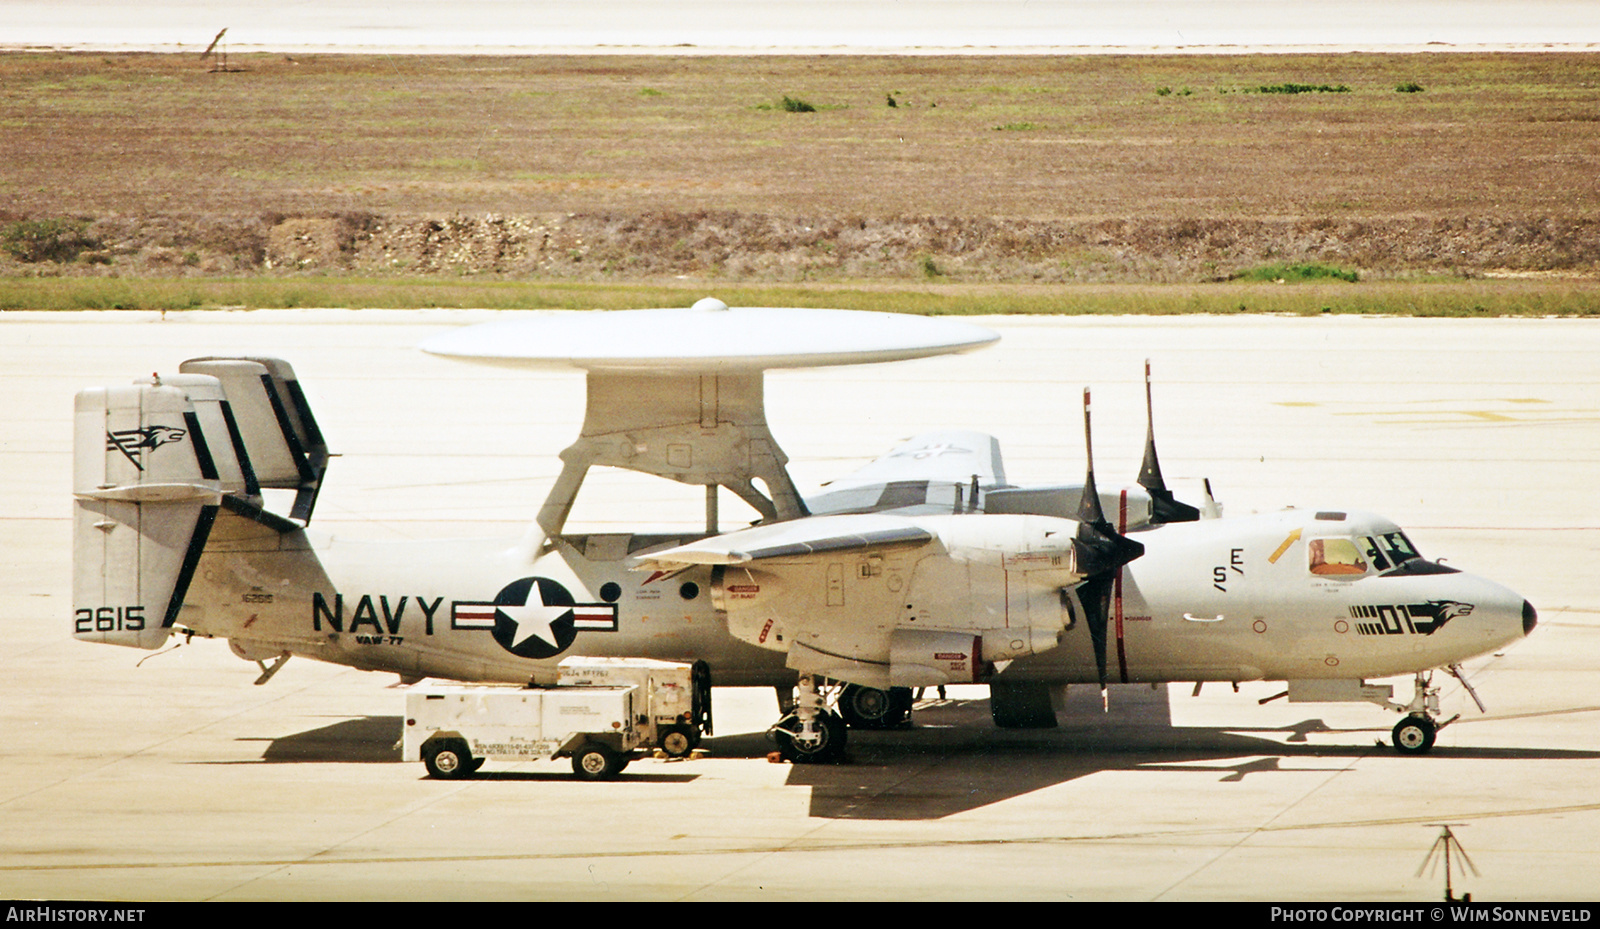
{"x":152,"y":464}
{"x":157,"y":462}
{"x":280,"y":438}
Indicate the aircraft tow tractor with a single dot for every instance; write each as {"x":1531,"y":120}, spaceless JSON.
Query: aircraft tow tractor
{"x":603,"y":711}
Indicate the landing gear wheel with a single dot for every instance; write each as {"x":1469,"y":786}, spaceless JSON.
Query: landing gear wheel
{"x":1414,"y":735}
{"x":827,"y":749}
{"x":449,"y":760}
{"x":871,"y":708}
{"x":595,"y":762}
{"x":678,"y":741}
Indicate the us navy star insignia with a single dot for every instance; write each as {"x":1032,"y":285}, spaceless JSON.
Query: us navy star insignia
{"x":534,"y":618}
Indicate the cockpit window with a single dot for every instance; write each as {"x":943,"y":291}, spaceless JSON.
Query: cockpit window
{"x":1390,"y":550}
{"x":1332,"y":557}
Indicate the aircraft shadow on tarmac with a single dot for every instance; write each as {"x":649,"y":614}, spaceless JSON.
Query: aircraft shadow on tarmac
{"x":366,"y":740}
{"x":953,"y":759}
{"x":376,"y":739}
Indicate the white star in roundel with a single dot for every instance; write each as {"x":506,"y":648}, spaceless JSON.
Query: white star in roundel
{"x":534,"y":619}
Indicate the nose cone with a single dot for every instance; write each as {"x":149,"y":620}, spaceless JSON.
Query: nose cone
{"x":1465,"y":615}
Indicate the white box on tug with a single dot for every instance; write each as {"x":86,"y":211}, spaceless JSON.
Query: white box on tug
{"x":600,"y":715}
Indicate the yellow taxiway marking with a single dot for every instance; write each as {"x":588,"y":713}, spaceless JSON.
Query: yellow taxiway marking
{"x":1446,"y":412}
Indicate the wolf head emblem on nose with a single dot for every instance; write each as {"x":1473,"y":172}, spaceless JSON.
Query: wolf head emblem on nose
{"x":1440,"y":611}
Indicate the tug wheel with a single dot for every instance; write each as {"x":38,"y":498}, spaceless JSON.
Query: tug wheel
{"x":449,"y":760}
{"x":678,"y":741}
{"x":594,"y":762}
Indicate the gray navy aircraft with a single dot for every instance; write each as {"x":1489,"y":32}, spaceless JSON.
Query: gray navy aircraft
{"x":925,"y":567}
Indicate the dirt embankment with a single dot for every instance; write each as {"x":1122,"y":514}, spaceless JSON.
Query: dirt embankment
{"x":755,"y":247}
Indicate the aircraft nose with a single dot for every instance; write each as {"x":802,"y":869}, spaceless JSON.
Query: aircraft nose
{"x":1530,"y":617}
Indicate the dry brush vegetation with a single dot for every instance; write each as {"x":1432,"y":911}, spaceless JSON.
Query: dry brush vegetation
{"x":949,"y":171}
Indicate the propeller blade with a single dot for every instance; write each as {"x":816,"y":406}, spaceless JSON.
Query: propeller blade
{"x":1089,"y":510}
{"x":1164,"y":507}
{"x":1101,"y":552}
{"x":1095,"y":595}
{"x":1100,"y":548}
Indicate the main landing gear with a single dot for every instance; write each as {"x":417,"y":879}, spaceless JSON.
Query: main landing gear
{"x":871,"y":708}
{"x":811,"y":733}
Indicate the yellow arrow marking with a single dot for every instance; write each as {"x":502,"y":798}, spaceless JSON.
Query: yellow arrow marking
{"x":1293,"y":538}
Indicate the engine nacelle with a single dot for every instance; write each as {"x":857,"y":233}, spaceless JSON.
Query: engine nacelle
{"x":928,"y":658}
{"x":924,"y":657}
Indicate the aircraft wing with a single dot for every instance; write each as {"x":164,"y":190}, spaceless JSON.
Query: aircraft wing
{"x":928,"y":473}
{"x":853,"y":532}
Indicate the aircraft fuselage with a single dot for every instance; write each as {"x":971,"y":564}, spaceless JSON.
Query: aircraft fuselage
{"x":1236,"y":599}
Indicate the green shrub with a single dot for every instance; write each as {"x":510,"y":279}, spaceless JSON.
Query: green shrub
{"x":58,"y":240}
{"x":1409,"y":87}
{"x":1302,"y":89}
{"x":792,"y":105}
{"x":1295,"y":272}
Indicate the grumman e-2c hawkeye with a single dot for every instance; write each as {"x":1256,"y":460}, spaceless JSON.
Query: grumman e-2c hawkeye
{"x":925,"y":567}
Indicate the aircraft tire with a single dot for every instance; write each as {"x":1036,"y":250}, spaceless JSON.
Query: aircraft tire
{"x":678,"y":741}
{"x":871,"y":708}
{"x":828,"y":750}
{"x":1414,"y":735}
{"x":1022,"y":706}
{"x":449,"y":760}
{"x":595,"y":762}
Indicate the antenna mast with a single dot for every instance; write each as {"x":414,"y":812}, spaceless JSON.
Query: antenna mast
{"x":219,"y":60}
{"x":1442,"y":848}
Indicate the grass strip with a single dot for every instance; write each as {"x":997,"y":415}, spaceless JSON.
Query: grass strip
{"x":1458,"y":298}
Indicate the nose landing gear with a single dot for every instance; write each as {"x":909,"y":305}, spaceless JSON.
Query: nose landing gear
{"x":1415,"y":734}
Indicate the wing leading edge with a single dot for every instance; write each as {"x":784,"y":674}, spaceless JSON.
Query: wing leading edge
{"x":797,"y":538}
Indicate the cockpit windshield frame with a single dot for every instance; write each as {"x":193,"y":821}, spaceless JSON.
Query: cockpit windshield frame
{"x":1356,"y":556}
{"x":1389,"y":550}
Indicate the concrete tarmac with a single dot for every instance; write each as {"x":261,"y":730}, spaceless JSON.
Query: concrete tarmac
{"x":128,"y":775}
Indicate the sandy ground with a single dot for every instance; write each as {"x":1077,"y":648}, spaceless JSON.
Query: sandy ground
{"x":178,"y":779}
